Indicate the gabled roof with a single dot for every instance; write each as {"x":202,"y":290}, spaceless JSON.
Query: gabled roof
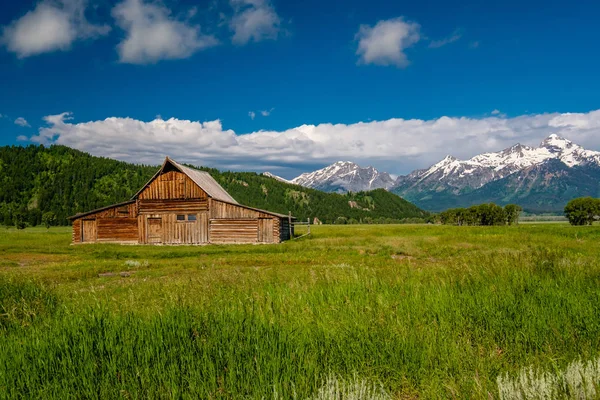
{"x":200,"y":178}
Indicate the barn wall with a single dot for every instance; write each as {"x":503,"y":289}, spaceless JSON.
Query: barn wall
{"x":76,"y":231}
{"x":172,"y":185}
{"x":114,"y":224}
{"x":219,"y":209}
{"x":236,"y":230}
{"x":171,"y":230}
{"x":231,"y":223}
{"x":181,"y":206}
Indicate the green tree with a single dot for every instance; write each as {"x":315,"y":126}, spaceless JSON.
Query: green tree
{"x":19,"y":220}
{"x":512,"y":212}
{"x":48,"y":219}
{"x":582,"y":210}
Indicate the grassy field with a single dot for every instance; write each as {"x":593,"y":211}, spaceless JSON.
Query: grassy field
{"x":392,"y":311}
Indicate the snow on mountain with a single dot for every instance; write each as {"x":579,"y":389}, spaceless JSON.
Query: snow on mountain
{"x":344,"y":176}
{"x":488,"y":167}
{"x":270,"y":175}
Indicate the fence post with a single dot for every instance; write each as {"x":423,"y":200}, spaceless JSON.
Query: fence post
{"x":290,"y":224}
{"x":308,"y":224}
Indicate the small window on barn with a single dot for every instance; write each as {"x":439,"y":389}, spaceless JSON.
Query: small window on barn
{"x":180,"y":217}
{"x":191,"y":217}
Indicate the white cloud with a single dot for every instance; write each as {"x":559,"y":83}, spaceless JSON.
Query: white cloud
{"x":253,"y":20}
{"x":153,"y":34}
{"x":496,"y":112}
{"x":394,"y":145}
{"x":457,"y":35}
{"x":385,"y":43}
{"x":22,"y":122}
{"x":475,"y":44}
{"x":52,"y":25}
{"x":252,"y":114}
{"x":22,"y":138}
{"x":266,"y":113}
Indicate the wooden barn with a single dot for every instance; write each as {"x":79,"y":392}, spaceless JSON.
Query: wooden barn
{"x":180,"y":205}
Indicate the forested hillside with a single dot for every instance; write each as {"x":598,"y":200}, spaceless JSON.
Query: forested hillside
{"x":60,"y":181}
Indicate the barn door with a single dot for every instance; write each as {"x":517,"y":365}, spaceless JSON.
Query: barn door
{"x":265,"y":230}
{"x":88,"y":230}
{"x":154,"y":231}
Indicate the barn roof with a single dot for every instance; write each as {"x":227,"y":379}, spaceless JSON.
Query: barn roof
{"x":83,"y":214}
{"x":201,"y":178}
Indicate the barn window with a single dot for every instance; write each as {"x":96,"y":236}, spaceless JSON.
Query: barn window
{"x":180,"y":217}
{"x":191,"y":217}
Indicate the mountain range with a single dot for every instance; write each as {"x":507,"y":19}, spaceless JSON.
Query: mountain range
{"x":540,"y":179}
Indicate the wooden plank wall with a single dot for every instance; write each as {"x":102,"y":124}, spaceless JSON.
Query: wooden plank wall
{"x":180,"y":206}
{"x":234,"y":230}
{"x":76,"y":231}
{"x":117,"y":229}
{"x":89,"y":232}
{"x":115,"y":224}
{"x":276,"y":230}
{"x":172,"y":185}
{"x":173,"y":231}
{"x":219,"y":209}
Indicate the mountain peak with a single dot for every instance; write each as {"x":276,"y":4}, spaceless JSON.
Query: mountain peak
{"x":343,"y":176}
{"x":556,"y":143}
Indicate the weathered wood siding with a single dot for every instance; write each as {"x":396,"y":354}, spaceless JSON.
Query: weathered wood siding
{"x":265,"y":230}
{"x":166,"y":229}
{"x":172,"y":185}
{"x":114,"y":224}
{"x":236,"y":230}
{"x":219,"y":209}
{"x":276,"y":230}
{"x":117,"y":229}
{"x":76,"y":231}
{"x":181,"y":206}
{"x":88,"y":231}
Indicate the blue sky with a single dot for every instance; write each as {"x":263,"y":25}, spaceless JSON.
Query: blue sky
{"x":474,"y":76}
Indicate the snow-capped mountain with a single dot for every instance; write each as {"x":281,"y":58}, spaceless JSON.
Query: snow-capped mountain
{"x":452,"y":182}
{"x":488,"y":167}
{"x":540,"y":178}
{"x":345,"y":176}
{"x":270,"y":175}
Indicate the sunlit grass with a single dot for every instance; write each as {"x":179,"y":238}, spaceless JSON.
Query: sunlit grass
{"x":405,"y":311}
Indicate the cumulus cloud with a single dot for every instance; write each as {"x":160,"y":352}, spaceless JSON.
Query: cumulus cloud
{"x":395,"y":145}
{"x":153,"y":34}
{"x":456,"y":36}
{"x":252,"y":114}
{"x":385,"y":43}
{"x":22,"y":122}
{"x":266,"y":113}
{"x":22,"y":138}
{"x":253,"y":20}
{"x":52,"y":25}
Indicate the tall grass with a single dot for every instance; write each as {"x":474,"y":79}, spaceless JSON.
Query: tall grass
{"x":351,"y":313}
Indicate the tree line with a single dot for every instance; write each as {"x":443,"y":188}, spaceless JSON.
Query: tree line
{"x":45,"y":185}
{"x":482,"y":214}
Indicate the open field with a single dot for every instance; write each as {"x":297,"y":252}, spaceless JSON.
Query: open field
{"x":408,"y":311}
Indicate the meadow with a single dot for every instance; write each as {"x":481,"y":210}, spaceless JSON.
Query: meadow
{"x":371,"y":311}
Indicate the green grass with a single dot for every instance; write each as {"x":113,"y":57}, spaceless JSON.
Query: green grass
{"x":420,"y":311}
